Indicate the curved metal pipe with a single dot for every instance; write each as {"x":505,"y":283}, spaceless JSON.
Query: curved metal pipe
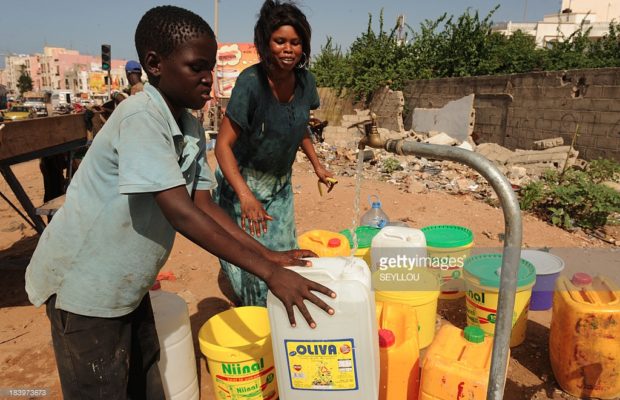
{"x":512,"y":245}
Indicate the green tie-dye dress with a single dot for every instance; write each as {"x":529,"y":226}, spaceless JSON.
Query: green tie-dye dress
{"x":271,"y":133}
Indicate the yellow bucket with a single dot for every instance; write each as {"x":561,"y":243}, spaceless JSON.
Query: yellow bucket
{"x":449,"y":246}
{"x":418,"y":288}
{"x":237,"y":345}
{"x":482,"y":277}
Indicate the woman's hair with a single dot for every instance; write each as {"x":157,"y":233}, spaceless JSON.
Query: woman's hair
{"x":162,"y":29}
{"x":273,"y":15}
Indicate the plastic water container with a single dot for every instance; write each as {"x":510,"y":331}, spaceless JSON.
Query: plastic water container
{"x":584,"y":338}
{"x":418,"y":289}
{"x":339,"y":359}
{"x":456,"y":365}
{"x":482,"y":278}
{"x":398,"y":248}
{"x":374,"y":217}
{"x":449,"y":246}
{"x":325,"y":243}
{"x":399,"y":352}
{"x":364,"y":240}
{"x":548,"y":267}
{"x":177,"y":361}
{"x":237,"y":345}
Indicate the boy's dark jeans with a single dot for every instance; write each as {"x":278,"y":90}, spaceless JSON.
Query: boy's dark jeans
{"x":107,"y":358}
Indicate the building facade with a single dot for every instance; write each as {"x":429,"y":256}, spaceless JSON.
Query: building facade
{"x":594,"y":14}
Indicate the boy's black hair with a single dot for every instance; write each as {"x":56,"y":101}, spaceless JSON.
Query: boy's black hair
{"x":162,"y":29}
{"x":273,"y":15}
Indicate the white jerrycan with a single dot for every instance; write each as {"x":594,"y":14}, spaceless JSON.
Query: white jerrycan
{"x":339,"y":359}
{"x":177,"y":361}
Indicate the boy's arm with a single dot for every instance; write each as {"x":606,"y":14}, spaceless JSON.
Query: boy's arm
{"x":203,"y":200}
{"x":291,"y":288}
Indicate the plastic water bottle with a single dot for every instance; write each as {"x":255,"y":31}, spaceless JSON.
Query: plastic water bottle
{"x":374,"y":217}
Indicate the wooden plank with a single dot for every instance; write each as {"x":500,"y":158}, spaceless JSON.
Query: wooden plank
{"x":23,"y":137}
{"x":51,"y":206}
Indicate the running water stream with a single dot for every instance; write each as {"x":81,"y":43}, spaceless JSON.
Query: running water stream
{"x":356,"y":200}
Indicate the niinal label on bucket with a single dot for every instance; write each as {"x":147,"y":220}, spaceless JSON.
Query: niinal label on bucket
{"x":251,"y":380}
{"x":322,"y":364}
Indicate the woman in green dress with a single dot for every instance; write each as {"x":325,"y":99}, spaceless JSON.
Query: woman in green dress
{"x":265,"y":123}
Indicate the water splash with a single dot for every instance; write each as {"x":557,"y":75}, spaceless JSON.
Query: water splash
{"x":356,"y":200}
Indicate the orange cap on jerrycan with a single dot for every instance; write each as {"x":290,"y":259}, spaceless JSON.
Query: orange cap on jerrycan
{"x":457,"y":365}
{"x":584,"y":337}
{"x":399,"y":351}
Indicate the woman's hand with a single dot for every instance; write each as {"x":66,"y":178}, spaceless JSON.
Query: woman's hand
{"x":290,"y":257}
{"x":322,"y":173}
{"x":254,"y":217}
{"x":292,"y":289}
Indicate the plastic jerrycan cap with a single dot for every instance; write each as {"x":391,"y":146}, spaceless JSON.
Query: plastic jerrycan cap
{"x":386,"y":338}
{"x":156,"y":285}
{"x":334,"y":242}
{"x":473,"y":334}
{"x":581,"y":279}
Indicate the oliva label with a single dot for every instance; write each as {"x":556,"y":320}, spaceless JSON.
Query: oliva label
{"x":322,"y":364}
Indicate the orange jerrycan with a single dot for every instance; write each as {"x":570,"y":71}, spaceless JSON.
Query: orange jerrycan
{"x":399,"y":352}
{"x":325,"y":243}
{"x":457,"y":365}
{"x":584,"y":338}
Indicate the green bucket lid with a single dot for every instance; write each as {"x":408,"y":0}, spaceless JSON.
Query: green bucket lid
{"x":364,"y":236}
{"x":487,"y":268}
{"x":473,"y":334}
{"x":446,"y":236}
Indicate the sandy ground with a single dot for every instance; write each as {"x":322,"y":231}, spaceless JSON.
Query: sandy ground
{"x":26,"y":356}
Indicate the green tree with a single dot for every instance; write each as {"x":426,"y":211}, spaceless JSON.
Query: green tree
{"x":331,"y":67}
{"x":24,"y":82}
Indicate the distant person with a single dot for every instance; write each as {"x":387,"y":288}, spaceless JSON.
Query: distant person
{"x":266,"y":122}
{"x":133,"y":69}
{"x":144,"y":178}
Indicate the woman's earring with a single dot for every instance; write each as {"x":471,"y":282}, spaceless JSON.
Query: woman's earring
{"x":303,"y":64}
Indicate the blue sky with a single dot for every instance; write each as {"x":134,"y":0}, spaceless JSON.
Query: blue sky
{"x":28,"y":25}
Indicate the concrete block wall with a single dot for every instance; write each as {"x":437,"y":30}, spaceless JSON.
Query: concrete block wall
{"x":517,"y":110}
{"x":334,"y":105}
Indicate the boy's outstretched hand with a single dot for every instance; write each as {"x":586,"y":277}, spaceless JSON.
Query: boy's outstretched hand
{"x":292,"y":289}
{"x":291,"y":257}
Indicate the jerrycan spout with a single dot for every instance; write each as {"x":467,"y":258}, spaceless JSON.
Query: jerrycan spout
{"x":512,"y":244}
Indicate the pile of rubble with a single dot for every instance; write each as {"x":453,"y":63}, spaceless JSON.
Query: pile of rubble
{"x":419,"y":175}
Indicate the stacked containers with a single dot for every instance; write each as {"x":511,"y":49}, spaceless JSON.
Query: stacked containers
{"x":325,"y":243}
{"x":177,"y":362}
{"x":364,"y":239}
{"x":482,"y":280}
{"x":584,"y":338}
{"x":456,"y":365}
{"x":400,"y":276}
{"x":448,"y":246}
{"x":237,"y":345}
{"x":399,"y":352}
{"x":339,"y":359}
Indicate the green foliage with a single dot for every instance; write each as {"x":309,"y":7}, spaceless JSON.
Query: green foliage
{"x":452,"y":47}
{"x":24,"y":82}
{"x":574,"y":198}
{"x":390,"y":165}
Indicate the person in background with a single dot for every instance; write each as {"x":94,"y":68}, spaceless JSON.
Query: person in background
{"x":133,"y":70}
{"x":265,"y":123}
{"x":144,"y":178}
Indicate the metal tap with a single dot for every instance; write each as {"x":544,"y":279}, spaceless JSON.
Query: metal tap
{"x":371,"y":138}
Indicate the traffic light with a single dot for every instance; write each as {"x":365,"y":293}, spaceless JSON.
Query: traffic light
{"x":106,"y":57}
